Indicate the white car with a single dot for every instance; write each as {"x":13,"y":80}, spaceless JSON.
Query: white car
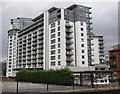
{"x":101,"y":81}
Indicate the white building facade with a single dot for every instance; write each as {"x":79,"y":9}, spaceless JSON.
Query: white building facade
{"x":97,"y":49}
{"x":56,"y":39}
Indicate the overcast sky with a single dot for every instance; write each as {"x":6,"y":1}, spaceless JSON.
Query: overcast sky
{"x":105,"y":18}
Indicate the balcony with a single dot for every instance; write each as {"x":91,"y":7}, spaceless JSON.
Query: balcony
{"x":34,"y":35}
{"x":69,"y":36}
{"x":34,"y":40}
{"x":40,"y":33}
{"x":40,"y":52}
{"x":69,"y":48}
{"x":69,"y":59}
{"x":28,"y":58}
{"x":68,"y":25}
{"x":69,"y":42}
{"x":34,"y":44}
{"x":69,"y":53}
{"x":40,"y":57}
{"x":40,"y":47}
{"x":40,"y":42}
{"x":34,"y":48}
{"x":40,"y":37}
{"x":69,"y":31}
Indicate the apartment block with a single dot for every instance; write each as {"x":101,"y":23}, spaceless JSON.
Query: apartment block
{"x":57,"y":38}
{"x":16,"y":25}
{"x":114,"y":59}
{"x":97,"y":49}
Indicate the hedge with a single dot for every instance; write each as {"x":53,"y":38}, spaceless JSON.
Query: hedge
{"x":58,"y":76}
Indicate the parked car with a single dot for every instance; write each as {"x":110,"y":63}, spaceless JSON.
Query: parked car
{"x":101,"y":81}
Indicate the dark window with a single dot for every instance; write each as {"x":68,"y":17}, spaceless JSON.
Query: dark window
{"x":52,"y":63}
{"x":52,"y":52}
{"x":52,"y":46}
{"x":52,"y":57}
{"x":82,"y":23}
{"x":58,"y":33}
{"x":81,"y":29}
{"x":82,"y":51}
{"x":58,"y":56}
{"x":59,"y":45}
{"x":58,"y":22}
{"x":82,"y":34}
{"x":59,"y":63}
{"x":82,"y":45}
{"x":52,"y":41}
{"x":83,"y":62}
{"x":52,"y":25}
{"x":58,"y":28}
{"x":58,"y":50}
{"x":53,"y":30}
{"x":58,"y":39}
{"x":83,"y":56}
{"x":52,"y":36}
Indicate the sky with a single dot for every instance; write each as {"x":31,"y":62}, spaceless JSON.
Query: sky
{"x":104,"y":14}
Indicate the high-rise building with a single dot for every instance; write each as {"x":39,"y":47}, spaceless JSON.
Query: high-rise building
{"x":16,"y":25}
{"x":97,"y":49}
{"x":57,"y":38}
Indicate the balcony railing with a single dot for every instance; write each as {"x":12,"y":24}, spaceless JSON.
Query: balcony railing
{"x":69,"y":36}
{"x":69,"y":53}
{"x":69,"y":42}
{"x":69,"y":59}
{"x":68,"y":25}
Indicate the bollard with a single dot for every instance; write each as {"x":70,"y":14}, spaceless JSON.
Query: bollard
{"x":81,"y":79}
{"x":17,"y":88}
{"x":73,"y":84}
{"x":92,"y":80}
{"x":47,"y":86}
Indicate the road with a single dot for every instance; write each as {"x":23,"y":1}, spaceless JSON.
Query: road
{"x":31,"y":87}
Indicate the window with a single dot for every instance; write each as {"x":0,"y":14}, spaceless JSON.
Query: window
{"x":83,"y":62}
{"x":58,"y":56}
{"x":52,"y":41}
{"x":52,"y":46}
{"x":52,"y":25}
{"x":82,"y":34}
{"x":58,"y":22}
{"x":82,"y":23}
{"x":82,"y":51}
{"x":83,"y":57}
{"x":52,"y":63}
{"x":81,"y":29}
{"x":58,"y":28}
{"x":58,"y":33}
{"x":52,"y":57}
{"x":59,"y":63}
{"x":82,"y":45}
{"x":52,"y":52}
{"x":59,"y":45}
{"x":58,"y":50}
{"x":58,"y":39}
{"x":52,"y":36}
{"x":53,"y":30}
{"x":82,"y":39}
{"x":66,"y":12}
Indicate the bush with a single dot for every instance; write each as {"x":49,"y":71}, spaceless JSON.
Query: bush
{"x":58,"y":76}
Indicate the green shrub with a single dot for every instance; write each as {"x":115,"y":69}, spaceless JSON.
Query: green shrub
{"x":58,"y":76}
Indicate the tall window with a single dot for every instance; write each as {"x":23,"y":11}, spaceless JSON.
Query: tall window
{"x":58,"y":28}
